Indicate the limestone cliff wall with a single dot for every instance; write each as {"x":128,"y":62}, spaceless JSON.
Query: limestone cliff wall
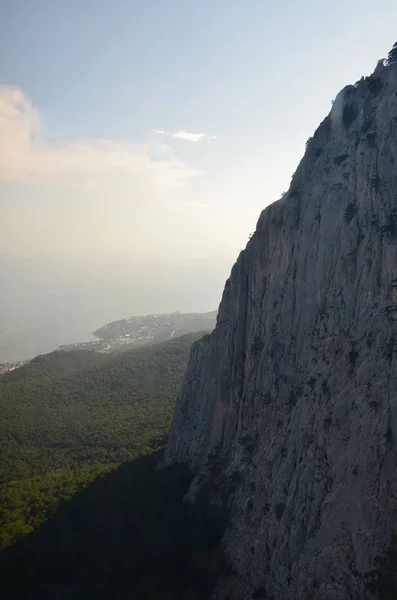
{"x":296,"y":388}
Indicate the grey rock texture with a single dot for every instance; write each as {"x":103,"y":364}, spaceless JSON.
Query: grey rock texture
{"x":296,"y":388}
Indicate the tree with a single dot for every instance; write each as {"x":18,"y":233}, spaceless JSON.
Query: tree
{"x":392,"y":56}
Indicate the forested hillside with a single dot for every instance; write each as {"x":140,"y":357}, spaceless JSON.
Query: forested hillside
{"x":68,"y":417}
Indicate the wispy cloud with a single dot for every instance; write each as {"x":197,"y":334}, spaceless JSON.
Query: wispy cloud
{"x":187,"y":136}
{"x":26,"y":157}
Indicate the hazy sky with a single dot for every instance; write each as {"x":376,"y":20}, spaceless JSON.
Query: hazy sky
{"x":154,"y":132}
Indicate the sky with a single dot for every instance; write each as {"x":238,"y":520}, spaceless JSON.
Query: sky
{"x":139,"y":141}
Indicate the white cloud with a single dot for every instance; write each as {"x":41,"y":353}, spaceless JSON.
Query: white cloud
{"x":26,"y":157}
{"x":186,"y":136}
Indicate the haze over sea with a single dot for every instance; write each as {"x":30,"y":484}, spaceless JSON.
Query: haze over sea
{"x":140,"y":141}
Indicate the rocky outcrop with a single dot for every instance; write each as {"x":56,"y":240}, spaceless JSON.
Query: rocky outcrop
{"x":296,"y":388}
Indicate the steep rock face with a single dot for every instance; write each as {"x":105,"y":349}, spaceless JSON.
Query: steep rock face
{"x":296,"y":388}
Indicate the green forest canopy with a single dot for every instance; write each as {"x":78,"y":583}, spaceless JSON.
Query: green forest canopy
{"x":68,"y":417}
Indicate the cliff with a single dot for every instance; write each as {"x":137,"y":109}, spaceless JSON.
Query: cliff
{"x":294,"y":393}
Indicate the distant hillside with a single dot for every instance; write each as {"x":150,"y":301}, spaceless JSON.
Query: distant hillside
{"x":54,"y":363}
{"x":66,"y":417}
{"x":133,"y":331}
